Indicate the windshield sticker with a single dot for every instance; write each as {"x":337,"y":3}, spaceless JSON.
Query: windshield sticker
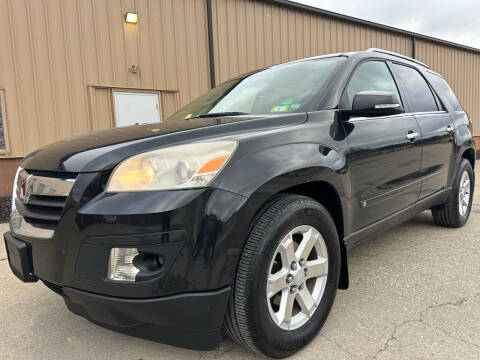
{"x":295,"y":106}
{"x":281,"y":108}
{"x":287,"y":101}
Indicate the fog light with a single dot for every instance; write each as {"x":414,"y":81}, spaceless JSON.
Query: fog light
{"x":120,"y":264}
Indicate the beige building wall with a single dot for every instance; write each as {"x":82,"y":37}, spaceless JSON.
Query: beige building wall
{"x":461,"y":69}
{"x":251,"y":34}
{"x":62,"y":59}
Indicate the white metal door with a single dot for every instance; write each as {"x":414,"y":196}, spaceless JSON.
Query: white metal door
{"x":136,"y":108}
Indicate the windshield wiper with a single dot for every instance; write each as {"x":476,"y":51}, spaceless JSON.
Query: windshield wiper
{"x":218,"y":114}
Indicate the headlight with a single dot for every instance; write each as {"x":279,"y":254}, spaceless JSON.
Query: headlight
{"x":178,"y":167}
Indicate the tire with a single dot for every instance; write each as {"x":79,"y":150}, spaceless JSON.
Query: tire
{"x":449,"y":214}
{"x":249,"y":320}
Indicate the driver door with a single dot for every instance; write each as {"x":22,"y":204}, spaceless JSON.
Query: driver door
{"x":384,"y":162}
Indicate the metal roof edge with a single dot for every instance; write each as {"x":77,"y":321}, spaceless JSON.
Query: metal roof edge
{"x":331,"y":14}
{"x":401,"y":56}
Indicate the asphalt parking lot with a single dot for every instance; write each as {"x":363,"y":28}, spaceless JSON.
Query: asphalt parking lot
{"x":415,"y":293}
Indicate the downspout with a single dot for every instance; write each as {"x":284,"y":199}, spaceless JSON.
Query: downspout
{"x":211,"y":51}
{"x":413,"y":47}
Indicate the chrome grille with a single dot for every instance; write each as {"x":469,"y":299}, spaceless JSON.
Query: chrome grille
{"x":38,"y":202}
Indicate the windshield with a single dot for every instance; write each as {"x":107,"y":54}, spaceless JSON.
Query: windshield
{"x":287,"y":88}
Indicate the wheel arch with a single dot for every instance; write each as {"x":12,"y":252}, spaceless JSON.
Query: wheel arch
{"x":326,"y":194}
{"x":328,"y":190}
{"x":469,"y":154}
{"x":304,"y":168}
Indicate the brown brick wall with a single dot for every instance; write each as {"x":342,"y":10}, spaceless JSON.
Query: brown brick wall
{"x":477,"y":142}
{"x":8,"y":167}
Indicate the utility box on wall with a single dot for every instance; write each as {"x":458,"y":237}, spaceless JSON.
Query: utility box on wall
{"x":114,"y":107}
{"x":135,"y":108}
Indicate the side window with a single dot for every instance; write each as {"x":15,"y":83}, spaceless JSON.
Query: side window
{"x":371,"y":76}
{"x":441,"y":87}
{"x":419,"y":94}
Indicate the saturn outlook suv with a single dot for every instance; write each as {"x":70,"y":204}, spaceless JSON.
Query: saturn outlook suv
{"x":238,"y":212}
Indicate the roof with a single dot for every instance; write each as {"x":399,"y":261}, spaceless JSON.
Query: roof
{"x":351,"y":19}
{"x":391,"y":53}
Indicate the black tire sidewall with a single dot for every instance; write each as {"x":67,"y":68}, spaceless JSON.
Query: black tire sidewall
{"x":464,"y":166}
{"x":269,"y":338}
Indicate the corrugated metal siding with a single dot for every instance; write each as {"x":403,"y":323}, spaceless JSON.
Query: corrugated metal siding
{"x":252,"y":34}
{"x":3,"y":132}
{"x":461,"y":69}
{"x":60,"y":59}
{"x":54,"y":51}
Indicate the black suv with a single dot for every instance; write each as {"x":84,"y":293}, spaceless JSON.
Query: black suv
{"x":238,"y":211}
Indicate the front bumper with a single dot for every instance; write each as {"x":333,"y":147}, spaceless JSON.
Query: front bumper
{"x":200,"y":233}
{"x":192,"y":320}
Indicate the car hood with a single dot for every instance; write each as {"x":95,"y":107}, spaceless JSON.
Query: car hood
{"x":104,"y":149}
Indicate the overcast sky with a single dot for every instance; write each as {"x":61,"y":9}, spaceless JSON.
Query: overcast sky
{"x":457,"y":21}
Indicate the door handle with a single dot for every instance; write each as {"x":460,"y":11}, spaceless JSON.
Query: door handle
{"x":412,"y":135}
{"x":449,"y":129}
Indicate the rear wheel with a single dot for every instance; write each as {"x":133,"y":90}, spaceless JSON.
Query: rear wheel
{"x":287,"y":278}
{"x":456,"y":209}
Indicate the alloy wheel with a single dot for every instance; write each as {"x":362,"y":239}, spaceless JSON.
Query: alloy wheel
{"x":297,"y":277}
{"x":464,"y":193}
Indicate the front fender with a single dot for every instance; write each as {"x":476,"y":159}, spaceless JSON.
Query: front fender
{"x":274,"y":169}
{"x":261,"y":175}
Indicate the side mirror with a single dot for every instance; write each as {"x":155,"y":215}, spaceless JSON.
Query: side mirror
{"x":375,"y":103}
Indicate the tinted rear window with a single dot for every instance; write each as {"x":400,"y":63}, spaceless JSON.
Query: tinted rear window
{"x":442,"y":88}
{"x":419,"y":94}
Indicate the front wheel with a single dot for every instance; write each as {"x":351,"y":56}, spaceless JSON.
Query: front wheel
{"x":287,"y":278}
{"x":456,"y":209}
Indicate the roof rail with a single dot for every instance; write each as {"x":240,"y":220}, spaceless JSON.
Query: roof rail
{"x":398,"y":55}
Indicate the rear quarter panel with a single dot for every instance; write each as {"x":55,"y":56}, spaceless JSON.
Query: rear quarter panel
{"x":463,"y":138}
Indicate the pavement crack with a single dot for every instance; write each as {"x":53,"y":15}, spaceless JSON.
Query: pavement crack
{"x":447,"y":303}
{"x":420,"y":319}
{"x":3,"y":259}
{"x":468,"y":342}
{"x":456,"y":303}
{"x":338,"y":345}
{"x":393,"y":337}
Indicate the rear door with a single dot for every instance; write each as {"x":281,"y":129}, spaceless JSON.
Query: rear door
{"x":384,"y":163}
{"x":436,"y":126}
